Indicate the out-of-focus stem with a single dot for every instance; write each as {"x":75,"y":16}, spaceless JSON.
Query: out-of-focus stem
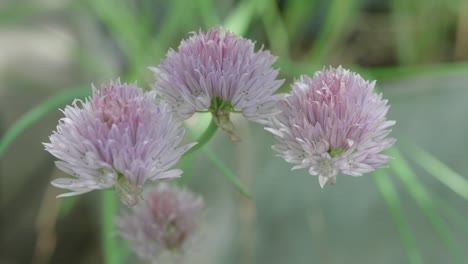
{"x":204,"y":138}
{"x":109,"y":243}
{"x":215,"y":160}
{"x":247,"y":207}
{"x":226,"y":172}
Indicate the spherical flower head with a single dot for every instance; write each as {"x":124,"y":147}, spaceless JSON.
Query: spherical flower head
{"x":332,"y":123}
{"x":168,"y":222}
{"x":118,"y":137}
{"x":221,"y":73}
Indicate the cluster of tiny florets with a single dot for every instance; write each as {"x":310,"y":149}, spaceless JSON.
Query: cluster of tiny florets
{"x":166,"y":223}
{"x":219,"y":64}
{"x":333,"y":122}
{"x":118,"y":137}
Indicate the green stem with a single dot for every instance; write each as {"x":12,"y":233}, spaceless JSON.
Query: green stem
{"x":38,"y":112}
{"x":218,"y":163}
{"x":226,"y":172}
{"x":204,"y":138}
{"x":109,"y":243}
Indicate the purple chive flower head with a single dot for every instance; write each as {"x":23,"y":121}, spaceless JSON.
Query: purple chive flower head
{"x":332,"y":123}
{"x":118,"y":137}
{"x":168,"y":222}
{"x":219,"y":72}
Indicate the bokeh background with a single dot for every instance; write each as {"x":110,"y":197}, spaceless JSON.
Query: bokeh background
{"x":413,"y":212}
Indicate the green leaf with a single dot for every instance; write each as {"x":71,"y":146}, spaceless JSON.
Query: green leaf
{"x":338,"y":17}
{"x":38,"y":112}
{"x":275,"y":28}
{"x":424,"y":201}
{"x":389,"y":194}
{"x":440,"y":171}
{"x":238,"y":21}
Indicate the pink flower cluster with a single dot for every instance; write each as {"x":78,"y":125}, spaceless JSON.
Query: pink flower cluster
{"x":168,"y":220}
{"x":333,"y":122}
{"x":219,"y":65}
{"x":122,"y":137}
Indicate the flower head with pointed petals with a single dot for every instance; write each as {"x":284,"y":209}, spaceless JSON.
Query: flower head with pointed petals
{"x":168,"y":221}
{"x":333,"y":122}
{"x":221,"y":73}
{"x":118,"y":137}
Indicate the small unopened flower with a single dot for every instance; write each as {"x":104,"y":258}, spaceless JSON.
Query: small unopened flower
{"x":332,"y":123}
{"x":219,"y":72}
{"x":167,"y":224}
{"x":118,"y":137}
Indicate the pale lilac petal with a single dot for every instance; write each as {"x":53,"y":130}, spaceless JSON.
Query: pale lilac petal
{"x":168,"y":175}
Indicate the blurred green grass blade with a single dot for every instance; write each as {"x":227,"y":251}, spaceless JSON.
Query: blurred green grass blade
{"x":406,"y":41}
{"x":131,"y":31}
{"x":238,"y":21}
{"x":67,"y":204}
{"x":385,"y":73}
{"x":296,"y":14}
{"x":119,"y":21}
{"x":339,"y":13}
{"x":120,"y":26}
{"x":295,"y":68}
{"x":412,"y":19}
{"x":208,"y":13}
{"x":424,"y":201}
{"x":389,"y":194}
{"x":440,"y":171}
{"x":178,"y":19}
{"x":454,"y":215}
{"x":18,"y":11}
{"x":33,"y":115}
{"x":276,"y":31}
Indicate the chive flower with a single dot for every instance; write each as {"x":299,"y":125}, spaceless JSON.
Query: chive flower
{"x":119,"y":137}
{"x":333,"y":122}
{"x":219,"y":72}
{"x":167,"y":225}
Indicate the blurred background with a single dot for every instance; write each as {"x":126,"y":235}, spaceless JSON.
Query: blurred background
{"x":413,"y":212}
